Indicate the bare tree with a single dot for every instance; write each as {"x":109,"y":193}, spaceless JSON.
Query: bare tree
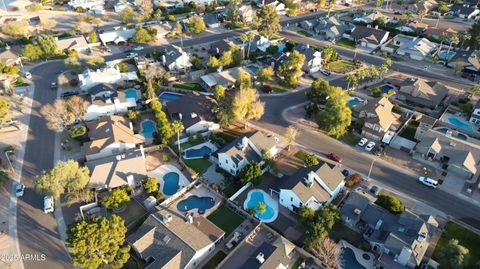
{"x":56,"y":116}
{"x":147,"y":8}
{"x":329,"y":252}
{"x":77,"y":106}
{"x":291,"y":135}
{"x":153,"y":72}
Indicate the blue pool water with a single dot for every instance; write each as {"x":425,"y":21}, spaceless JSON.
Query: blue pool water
{"x":443,"y":55}
{"x":349,"y":261}
{"x":192,"y":202}
{"x":252,"y":68}
{"x":168,"y":96}
{"x":457,"y":135}
{"x":131,"y":93}
{"x":256,"y":197}
{"x":170,"y":183}
{"x":192,"y":153}
{"x":460,"y":124}
{"x":386,"y":88}
{"x":148,"y":128}
{"x":353,"y":102}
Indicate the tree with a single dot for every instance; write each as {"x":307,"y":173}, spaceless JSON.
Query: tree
{"x":452,"y":40}
{"x":353,"y":180}
{"x":453,"y":255}
{"x":196,"y":25}
{"x":329,"y":252}
{"x":77,"y":106}
{"x":421,"y":14}
{"x":16,"y":29}
{"x":329,"y":54}
{"x":251,"y":173}
{"x":261,"y":207}
{"x":98,"y":243}
{"x":336,"y":117}
{"x":196,"y":62}
{"x":244,"y":81}
{"x":292,"y":7}
{"x":95,"y":62}
{"x":218,"y":92}
{"x":474,"y":32}
{"x":48,"y":45}
{"x":128,"y":15}
{"x":352,"y":80}
{"x":267,"y":21}
{"x":291,"y":135}
{"x":265,"y":74}
{"x":320,"y":225}
{"x":153,"y":72}
{"x":305,"y":214}
{"x":117,"y":198}
{"x":237,"y":55}
{"x":150,"y":185}
{"x":226,"y":59}
{"x":321,"y":4}
{"x":246,"y":105}
{"x":291,"y":69}
{"x":64,"y":176}
{"x":383,"y":69}
{"x":248,"y":37}
{"x":390,"y":203}
{"x":56,"y":115}
{"x":310,"y":160}
{"x":92,"y":37}
{"x":4,"y":110}
{"x":147,"y":9}
{"x":164,"y":127}
{"x":142,"y":36}
{"x":475,"y":90}
{"x":158,"y":13}
{"x":214,"y":62}
{"x":443,"y":7}
{"x":178,"y":127}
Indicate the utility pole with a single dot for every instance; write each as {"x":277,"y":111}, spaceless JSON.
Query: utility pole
{"x":370,"y":170}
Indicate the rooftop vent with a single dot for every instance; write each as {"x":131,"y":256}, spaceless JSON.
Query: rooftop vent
{"x":167,"y":218}
{"x":260,"y":258}
{"x":357,"y":211}
{"x":379,"y":223}
{"x":193,"y":115}
{"x":166,"y":239}
{"x":422,"y":236}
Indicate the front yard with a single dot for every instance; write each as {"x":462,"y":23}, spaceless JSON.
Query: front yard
{"x":465,"y":237}
{"x":349,"y":44}
{"x":225,"y":219}
{"x":342,"y":66}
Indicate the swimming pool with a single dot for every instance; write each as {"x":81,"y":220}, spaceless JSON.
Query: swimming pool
{"x":192,"y":202}
{"x":458,"y":135}
{"x":197,"y":153}
{"x":257,"y":196}
{"x":170,"y":183}
{"x":169,"y":96}
{"x":148,"y":128}
{"x":348,"y":259}
{"x":131,"y":93}
{"x":253,"y":68}
{"x":353,"y":102}
{"x":443,"y":55}
{"x":460,"y":124}
{"x":386,"y":88}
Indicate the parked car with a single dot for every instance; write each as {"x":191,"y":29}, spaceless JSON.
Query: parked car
{"x":370,"y":146}
{"x":27,"y":75}
{"x":132,"y":55}
{"x":345,"y":173}
{"x":127,"y":51}
{"x":48,"y":205}
{"x":138,"y":48}
{"x":432,"y":183}
{"x":53,"y":85}
{"x":19,"y":190}
{"x":375,"y":190}
{"x":325,"y":72}
{"x":334,"y":157}
{"x":362,"y":142}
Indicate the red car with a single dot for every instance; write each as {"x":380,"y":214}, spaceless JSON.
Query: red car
{"x":334,"y":157}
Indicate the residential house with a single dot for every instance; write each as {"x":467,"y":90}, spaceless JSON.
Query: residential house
{"x":260,"y":43}
{"x":224,"y":78}
{"x":106,"y":101}
{"x":211,"y":21}
{"x":465,"y":11}
{"x":108,"y":75}
{"x":417,"y":26}
{"x":171,"y":240}
{"x":277,"y":59}
{"x":245,"y":12}
{"x":120,"y":5}
{"x":369,"y":37}
{"x":376,"y":117}
{"x":307,"y":24}
{"x":195,"y":111}
{"x":9,"y":58}
{"x":313,"y":187}
{"x":117,"y":36}
{"x":425,"y":6}
{"x":243,"y":150}
{"x":219,"y":47}
{"x":467,"y":62}
{"x":117,"y":171}
{"x":414,"y":47}
{"x":402,"y":239}
{"x":422,"y":93}
{"x":437,"y":33}
{"x":262,"y":3}
{"x":77,"y":43}
{"x":313,"y":59}
{"x":475,"y":116}
{"x":174,"y":58}
{"x":455,"y":154}
{"x":110,"y":136}
{"x":86,"y":4}
{"x":371,"y":17}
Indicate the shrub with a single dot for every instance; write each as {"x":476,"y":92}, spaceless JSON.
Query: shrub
{"x":160,"y":196}
{"x":353,"y":180}
{"x":73,"y":83}
{"x":390,"y":203}
{"x":191,"y":138}
{"x":133,"y":115}
{"x":199,"y":137}
{"x":376,"y":92}
{"x":118,"y":198}
{"x":150,"y":185}
{"x":122,"y":67}
{"x":78,"y":132}
{"x":310,"y":160}
{"x":165,"y":158}
{"x":170,"y":18}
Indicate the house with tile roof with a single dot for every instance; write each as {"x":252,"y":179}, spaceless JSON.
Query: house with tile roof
{"x":169,"y":240}
{"x":250,"y":148}
{"x":402,"y":239}
{"x":369,"y":37}
{"x":9,"y":58}
{"x":313,"y":187}
{"x":110,"y":136}
{"x":195,"y":111}
{"x":437,"y":33}
{"x":414,"y":47}
{"x":376,"y":117}
{"x":422,"y":93}
{"x":468,"y":62}
{"x":276,"y":254}
{"x":465,"y":11}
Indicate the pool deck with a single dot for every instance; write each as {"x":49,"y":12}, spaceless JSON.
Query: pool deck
{"x":445,"y":122}
{"x":200,"y":191}
{"x":160,"y":171}
{"x":368,"y":264}
{"x":208,"y":144}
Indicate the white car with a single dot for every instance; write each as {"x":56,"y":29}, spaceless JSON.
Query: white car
{"x":48,"y":205}
{"x":362,"y":142}
{"x":370,"y":146}
{"x":138,"y":48}
{"x":28,"y":75}
{"x":19,"y":190}
{"x":432,"y":183}
{"x":132,"y":55}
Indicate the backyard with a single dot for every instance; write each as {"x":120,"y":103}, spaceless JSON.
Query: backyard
{"x":225,"y":219}
{"x":215,"y":260}
{"x":342,"y":66}
{"x":340,"y":231}
{"x":132,"y":215}
{"x":189,"y":86}
{"x":465,"y":237}
{"x":410,"y":130}
{"x":192,"y":142}
{"x":198,"y":165}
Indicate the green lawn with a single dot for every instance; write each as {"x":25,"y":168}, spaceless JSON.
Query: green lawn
{"x":349,"y":139}
{"x":278,"y":87}
{"x":194,"y":142}
{"x":304,"y":33}
{"x":132,"y":215}
{"x":465,"y":237}
{"x":215,"y":260}
{"x":346,"y":43}
{"x":341,"y":66}
{"x":230,"y":190}
{"x":297,"y":263}
{"x":225,"y":219}
{"x":409,"y":131}
{"x":199,"y":165}
{"x":301,"y":154}
{"x":340,"y":231}
{"x":226,"y":136}
{"x":189,"y":86}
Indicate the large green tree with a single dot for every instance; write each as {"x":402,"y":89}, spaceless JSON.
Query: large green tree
{"x":165,"y":129}
{"x":65,"y":176}
{"x":196,"y":25}
{"x":48,"y":45}
{"x":247,"y":106}
{"x":98,"y":243}
{"x":251,"y":173}
{"x":291,"y":69}
{"x":117,"y":198}
{"x":474,"y":32}
{"x":32,"y":52}
{"x":336,"y":117}
{"x":390,"y":203}
{"x":267,"y":21}
{"x":453,"y":255}
{"x":319,"y":223}
{"x":329,"y":54}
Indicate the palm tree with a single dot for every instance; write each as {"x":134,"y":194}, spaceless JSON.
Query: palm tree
{"x":466,"y":36}
{"x":352,"y":79}
{"x":249,"y":37}
{"x":291,"y":135}
{"x":453,"y":39}
{"x":443,"y":38}
{"x":421,"y":14}
{"x":178,"y":127}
